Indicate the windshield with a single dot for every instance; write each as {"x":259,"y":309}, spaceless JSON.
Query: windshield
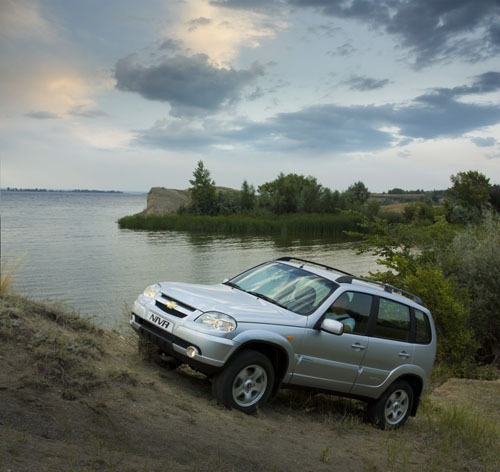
{"x":289,"y":287}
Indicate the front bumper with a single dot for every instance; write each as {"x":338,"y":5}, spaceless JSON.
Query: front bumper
{"x":211,"y":352}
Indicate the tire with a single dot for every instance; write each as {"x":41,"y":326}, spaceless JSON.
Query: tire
{"x":245,"y":383}
{"x":393,"y":408}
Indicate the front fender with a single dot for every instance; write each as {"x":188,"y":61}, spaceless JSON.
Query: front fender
{"x":252,"y":339}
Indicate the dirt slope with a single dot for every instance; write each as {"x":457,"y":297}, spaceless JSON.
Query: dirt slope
{"x":75,"y":398}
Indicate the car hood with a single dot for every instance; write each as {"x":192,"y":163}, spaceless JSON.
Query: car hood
{"x":231,"y":301}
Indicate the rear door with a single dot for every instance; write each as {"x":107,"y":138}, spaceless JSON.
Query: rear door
{"x":390,"y":345}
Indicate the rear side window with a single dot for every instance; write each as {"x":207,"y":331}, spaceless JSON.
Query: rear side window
{"x":393,"y":321}
{"x":423,"y":333}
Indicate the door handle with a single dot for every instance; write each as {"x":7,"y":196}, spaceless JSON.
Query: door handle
{"x":358,"y":347}
{"x":404,"y":354}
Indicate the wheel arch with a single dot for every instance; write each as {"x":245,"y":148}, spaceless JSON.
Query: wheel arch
{"x":275,"y":353}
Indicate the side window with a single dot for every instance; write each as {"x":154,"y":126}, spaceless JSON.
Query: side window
{"x":393,"y":321}
{"x":423,"y":333}
{"x":353,"y":310}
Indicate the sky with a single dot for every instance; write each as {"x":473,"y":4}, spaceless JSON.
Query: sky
{"x":127,"y":95}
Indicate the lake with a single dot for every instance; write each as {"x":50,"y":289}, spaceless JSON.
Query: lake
{"x":67,"y":247}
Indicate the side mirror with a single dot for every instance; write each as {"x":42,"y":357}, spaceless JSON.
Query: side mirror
{"x":332,"y":326}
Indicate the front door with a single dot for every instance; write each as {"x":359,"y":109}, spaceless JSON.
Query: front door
{"x":331,"y":362}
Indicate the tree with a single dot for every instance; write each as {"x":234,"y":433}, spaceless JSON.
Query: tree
{"x":468,"y":197}
{"x":413,"y":258}
{"x":247,"y":197}
{"x":495,"y":197}
{"x":357,"y":194}
{"x":330,"y":201}
{"x":203,"y":192}
{"x":291,"y":193}
{"x":476,"y":265}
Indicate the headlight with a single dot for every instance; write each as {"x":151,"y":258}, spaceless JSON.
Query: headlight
{"x":152,"y":291}
{"x":217,"y":321}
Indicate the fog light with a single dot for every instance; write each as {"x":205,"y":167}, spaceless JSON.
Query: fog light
{"x":191,"y":351}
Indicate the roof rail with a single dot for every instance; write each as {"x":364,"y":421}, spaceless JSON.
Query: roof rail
{"x":305,"y":261}
{"x":348,"y":279}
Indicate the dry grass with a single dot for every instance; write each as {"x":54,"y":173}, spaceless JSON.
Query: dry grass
{"x":77,"y":398}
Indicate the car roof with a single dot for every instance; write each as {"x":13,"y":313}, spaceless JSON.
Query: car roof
{"x":341,"y":277}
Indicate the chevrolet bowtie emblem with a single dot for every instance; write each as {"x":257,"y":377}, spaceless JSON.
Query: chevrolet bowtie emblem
{"x":171,"y":304}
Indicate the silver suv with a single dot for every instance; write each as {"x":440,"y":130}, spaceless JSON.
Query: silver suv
{"x":291,"y":322}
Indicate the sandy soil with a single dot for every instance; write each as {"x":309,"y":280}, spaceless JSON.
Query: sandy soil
{"x":75,"y":398}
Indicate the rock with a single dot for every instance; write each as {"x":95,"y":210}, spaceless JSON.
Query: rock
{"x":162,"y":201}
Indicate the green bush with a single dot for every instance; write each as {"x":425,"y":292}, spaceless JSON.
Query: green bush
{"x":475,"y":262}
{"x":450,"y":308}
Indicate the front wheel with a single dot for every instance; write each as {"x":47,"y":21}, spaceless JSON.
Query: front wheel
{"x":393,"y":408}
{"x":245,"y":383}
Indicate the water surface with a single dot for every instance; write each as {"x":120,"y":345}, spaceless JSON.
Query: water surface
{"x":67,"y":246}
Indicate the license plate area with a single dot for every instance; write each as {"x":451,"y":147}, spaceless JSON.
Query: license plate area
{"x":160,"y":321}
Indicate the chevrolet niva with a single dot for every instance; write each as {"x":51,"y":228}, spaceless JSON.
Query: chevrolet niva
{"x":292,"y":322}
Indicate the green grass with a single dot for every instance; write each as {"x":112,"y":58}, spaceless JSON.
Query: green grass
{"x":331,"y":225}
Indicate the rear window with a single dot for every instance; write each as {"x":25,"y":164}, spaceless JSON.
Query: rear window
{"x":393,"y":321}
{"x":423,"y":333}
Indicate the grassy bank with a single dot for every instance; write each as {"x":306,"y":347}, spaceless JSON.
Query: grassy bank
{"x":78,"y":398}
{"x":332,"y":226}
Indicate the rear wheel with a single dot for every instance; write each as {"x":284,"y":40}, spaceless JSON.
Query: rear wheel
{"x":393,"y":408}
{"x":245,"y":383}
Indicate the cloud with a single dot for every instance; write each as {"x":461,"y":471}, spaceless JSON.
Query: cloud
{"x":42,"y":115}
{"x":177,"y":134}
{"x":170,"y":44}
{"x":364,"y":84}
{"x":191,"y":85}
{"x":484,"y":142}
{"x":432,"y":30}
{"x":245,"y":4}
{"x":85,"y":111}
{"x":331,"y":128}
{"x":199,"y":22}
{"x":23,"y":19}
{"x":221,"y":33}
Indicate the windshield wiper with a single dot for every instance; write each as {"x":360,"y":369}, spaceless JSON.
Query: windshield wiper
{"x":232,"y":284}
{"x":266,"y":298}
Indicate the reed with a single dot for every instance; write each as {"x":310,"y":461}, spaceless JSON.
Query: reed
{"x":319,"y":225}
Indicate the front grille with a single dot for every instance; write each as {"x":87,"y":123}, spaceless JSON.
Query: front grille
{"x":174,"y":311}
{"x":160,"y":333}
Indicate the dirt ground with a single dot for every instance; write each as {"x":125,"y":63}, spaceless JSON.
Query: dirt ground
{"x":76,"y":398}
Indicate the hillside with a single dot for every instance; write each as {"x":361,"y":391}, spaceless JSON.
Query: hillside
{"x":75,"y":397}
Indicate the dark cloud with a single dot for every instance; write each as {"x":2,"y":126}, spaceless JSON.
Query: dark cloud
{"x":191,"y":85}
{"x":42,"y":115}
{"x":364,"y":84}
{"x":433,"y":30}
{"x":340,"y":129}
